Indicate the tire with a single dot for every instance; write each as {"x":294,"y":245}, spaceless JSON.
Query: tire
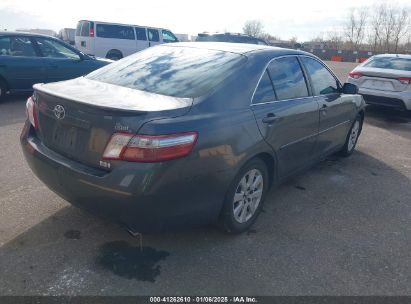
{"x":114,"y":55}
{"x":352,"y":137}
{"x":3,"y":90}
{"x":234,"y":218}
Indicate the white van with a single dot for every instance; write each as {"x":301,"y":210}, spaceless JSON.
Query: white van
{"x":115,"y":41}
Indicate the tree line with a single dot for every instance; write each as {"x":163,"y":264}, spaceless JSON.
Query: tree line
{"x":381,"y":28}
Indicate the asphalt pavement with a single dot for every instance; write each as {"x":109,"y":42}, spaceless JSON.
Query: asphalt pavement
{"x":341,"y":228}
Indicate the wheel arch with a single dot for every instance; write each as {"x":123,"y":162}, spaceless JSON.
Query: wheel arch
{"x":269,"y":160}
{"x":114,"y":51}
{"x":362,"y":115}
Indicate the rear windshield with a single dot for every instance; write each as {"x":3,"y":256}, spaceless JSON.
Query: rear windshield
{"x":394,"y":63}
{"x":172,"y":71}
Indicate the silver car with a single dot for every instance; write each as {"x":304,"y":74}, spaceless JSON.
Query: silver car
{"x":385,"y":80}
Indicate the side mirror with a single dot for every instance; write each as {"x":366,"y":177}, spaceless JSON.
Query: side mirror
{"x":349,"y":88}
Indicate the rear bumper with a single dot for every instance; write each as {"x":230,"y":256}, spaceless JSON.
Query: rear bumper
{"x":143,"y":197}
{"x":399,"y":100}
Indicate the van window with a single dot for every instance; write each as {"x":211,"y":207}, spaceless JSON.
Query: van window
{"x":153,"y":35}
{"x":168,"y":36}
{"x":288,"y":78}
{"x":115,"y":31}
{"x":141,"y":33}
{"x":85,"y":30}
{"x":78,"y":29}
{"x":172,"y":71}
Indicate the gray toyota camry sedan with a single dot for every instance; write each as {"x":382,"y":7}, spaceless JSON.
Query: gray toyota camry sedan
{"x":189,"y":133}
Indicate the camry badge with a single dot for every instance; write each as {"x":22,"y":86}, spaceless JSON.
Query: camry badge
{"x":59,"y":112}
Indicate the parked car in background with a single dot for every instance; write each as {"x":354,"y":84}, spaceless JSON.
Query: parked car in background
{"x":188,"y":134}
{"x":115,"y":40}
{"x":26,"y":59}
{"x":67,"y":35}
{"x":229,"y":37}
{"x":385,"y":80}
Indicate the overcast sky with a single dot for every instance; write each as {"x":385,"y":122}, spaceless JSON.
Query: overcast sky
{"x":303,"y":19}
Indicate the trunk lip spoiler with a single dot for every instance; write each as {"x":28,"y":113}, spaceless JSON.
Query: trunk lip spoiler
{"x":180,"y":102}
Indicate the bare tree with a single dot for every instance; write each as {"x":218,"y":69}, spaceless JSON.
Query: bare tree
{"x":269,"y":38}
{"x":335,"y":40}
{"x":388,"y":25}
{"x":254,"y":28}
{"x":401,"y":26}
{"x":376,"y":25}
{"x":355,"y":27}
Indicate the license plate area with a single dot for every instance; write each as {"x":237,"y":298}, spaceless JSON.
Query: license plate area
{"x":378,"y":85}
{"x":65,"y":137}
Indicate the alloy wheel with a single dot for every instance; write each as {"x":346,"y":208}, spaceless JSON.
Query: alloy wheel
{"x":248,"y":195}
{"x":352,"y":140}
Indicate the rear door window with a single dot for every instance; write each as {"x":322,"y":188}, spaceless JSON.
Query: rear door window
{"x":78,"y":29}
{"x":16,"y":46}
{"x":153,"y":35}
{"x":85,"y":29}
{"x":141,"y":33}
{"x":115,"y":31}
{"x":265,"y":90}
{"x":5,"y":46}
{"x":288,"y":78}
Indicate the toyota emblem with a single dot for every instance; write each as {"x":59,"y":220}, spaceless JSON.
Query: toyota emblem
{"x":59,"y":112}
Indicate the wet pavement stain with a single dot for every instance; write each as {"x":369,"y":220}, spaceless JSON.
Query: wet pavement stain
{"x":300,"y":188}
{"x":131,"y":262}
{"x":72,"y":234}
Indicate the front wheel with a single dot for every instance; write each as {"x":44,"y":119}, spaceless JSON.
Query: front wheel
{"x":352,"y":137}
{"x":244,"y":199}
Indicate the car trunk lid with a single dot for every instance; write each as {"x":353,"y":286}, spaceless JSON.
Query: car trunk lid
{"x":77,"y":117}
{"x":382,"y":79}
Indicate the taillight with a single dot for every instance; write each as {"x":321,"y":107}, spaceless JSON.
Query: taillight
{"x":355,"y":75}
{"x":91,"y":30}
{"x":31,"y":112}
{"x":149,"y":148}
{"x":405,"y":80}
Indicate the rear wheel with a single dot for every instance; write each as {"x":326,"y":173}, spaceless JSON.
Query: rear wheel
{"x":3,"y":90}
{"x":352,"y":137}
{"x":245,"y":197}
{"x":114,"y":55}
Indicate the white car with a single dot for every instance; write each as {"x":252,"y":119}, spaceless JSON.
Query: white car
{"x":115,"y":41}
{"x":385,"y":80}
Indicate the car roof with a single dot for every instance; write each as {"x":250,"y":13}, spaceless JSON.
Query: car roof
{"x":238,"y":48}
{"x":27,"y":34}
{"x":124,"y":24}
{"x":227,"y":34}
{"x":405,"y":56}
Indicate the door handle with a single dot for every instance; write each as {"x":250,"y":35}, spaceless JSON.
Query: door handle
{"x":270,"y":118}
{"x":324,"y":108}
